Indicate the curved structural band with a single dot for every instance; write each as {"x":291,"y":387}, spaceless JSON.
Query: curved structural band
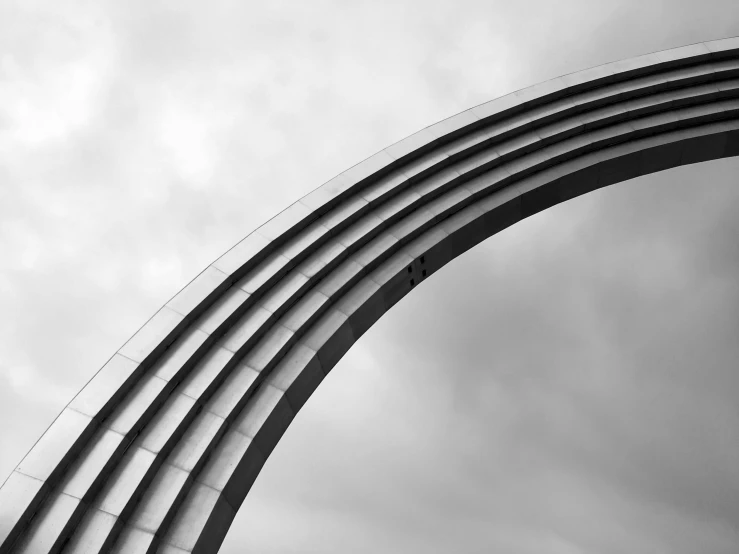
{"x":159,"y":449}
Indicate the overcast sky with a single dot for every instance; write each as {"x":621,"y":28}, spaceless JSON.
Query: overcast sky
{"x":569,"y":386}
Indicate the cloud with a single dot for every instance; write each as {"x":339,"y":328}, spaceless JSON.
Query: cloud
{"x":565,"y":387}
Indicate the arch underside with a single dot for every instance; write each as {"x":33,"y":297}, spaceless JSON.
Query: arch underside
{"x":159,"y":449}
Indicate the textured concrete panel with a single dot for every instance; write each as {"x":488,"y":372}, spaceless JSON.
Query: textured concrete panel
{"x":264,"y":273}
{"x":132,"y":539}
{"x":144,"y":399}
{"x":274,"y":343}
{"x":285,"y":221}
{"x":163,"y":428}
{"x":204,"y":520}
{"x":20,"y":496}
{"x":363,"y":306}
{"x":224,"y":308}
{"x":57,"y":445}
{"x":94,"y":533}
{"x":58,"y":517}
{"x":246,"y":329}
{"x":161,"y":495}
{"x":207,"y":374}
{"x":154,"y":336}
{"x":297,"y":375}
{"x":84,"y":477}
{"x":182,"y":355}
{"x":330,"y":337}
{"x":210,"y":282}
{"x":106,"y":388}
{"x":304,"y":310}
{"x":160,"y":448}
{"x":197,"y":440}
{"x":123,"y":485}
{"x":237,"y":387}
{"x":236,"y":260}
{"x":233,"y":467}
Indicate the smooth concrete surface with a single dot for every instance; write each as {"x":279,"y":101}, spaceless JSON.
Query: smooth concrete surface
{"x":159,"y":449}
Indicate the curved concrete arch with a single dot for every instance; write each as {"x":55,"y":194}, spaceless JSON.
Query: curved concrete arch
{"x":159,"y":449}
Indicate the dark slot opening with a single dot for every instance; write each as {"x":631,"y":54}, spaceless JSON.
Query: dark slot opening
{"x":410,"y":269}
{"x":423,"y":273}
{"x":412,"y":283}
{"x":423,"y":259}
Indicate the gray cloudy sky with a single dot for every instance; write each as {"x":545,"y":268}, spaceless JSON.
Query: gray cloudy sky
{"x":570,"y":386}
